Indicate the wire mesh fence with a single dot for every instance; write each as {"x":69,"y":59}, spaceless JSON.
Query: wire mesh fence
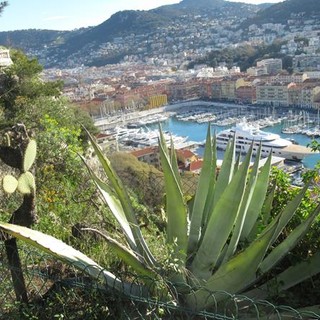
{"x":58,"y":291}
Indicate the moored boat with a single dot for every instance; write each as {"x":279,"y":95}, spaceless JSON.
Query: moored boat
{"x":247,"y":134}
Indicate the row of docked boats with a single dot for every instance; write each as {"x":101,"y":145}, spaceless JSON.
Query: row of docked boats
{"x":222,"y":118}
{"x":144,"y":137}
{"x":152,"y":119}
{"x":313,"y":132}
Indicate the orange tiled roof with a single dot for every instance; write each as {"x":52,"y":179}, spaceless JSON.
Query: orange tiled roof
{"x":195,"y":165}
{"x":186,"y":153}
{"x":143,"y":152}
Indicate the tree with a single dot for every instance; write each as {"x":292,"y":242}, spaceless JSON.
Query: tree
{"x":58,"y":128}
{"x":21,"y":84}
{"x":3,"y":4}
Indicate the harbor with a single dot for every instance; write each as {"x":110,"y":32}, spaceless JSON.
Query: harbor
{"x":187,"y":124}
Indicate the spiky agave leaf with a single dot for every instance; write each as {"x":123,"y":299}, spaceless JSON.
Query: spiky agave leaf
{"x":119,"y":189}
{"x":289,"y":211}
{"x":209,"y":203}
{"x":205,"y":179}
{"x":224,"y":214}
{"x":247,"y":198}
{"x":174,"y":161}
{"x":234,"y":276}
{"x":62,"y":251}
{"x":289,"y":277}
{"x":128,"y":256}
{"x":176,"y":208}
{"x":257,"y":199}
{"x":116,"y":208}
{"x":226,"y":171}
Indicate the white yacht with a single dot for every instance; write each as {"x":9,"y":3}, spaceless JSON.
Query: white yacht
{"x":246,"y":134}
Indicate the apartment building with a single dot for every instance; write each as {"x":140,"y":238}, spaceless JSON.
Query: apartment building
{"x":273,"y":66}
{"x":285,"y":77}
{"x":272,"y":94}
{"x":228,"y":90}
{"x":246,"y":94}
{"x":184,"y":90}
{"x":306,"y":62}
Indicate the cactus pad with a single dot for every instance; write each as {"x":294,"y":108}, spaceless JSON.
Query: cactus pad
{"x":26,"y":183}
{"x":29,"y":155}
{"x":9,"y":183}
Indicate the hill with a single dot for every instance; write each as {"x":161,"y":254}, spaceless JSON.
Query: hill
{"x":284,"y":11}
{"x":196,"y":23}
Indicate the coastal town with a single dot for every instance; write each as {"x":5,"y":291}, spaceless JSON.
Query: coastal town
{"x":160,"y":159}
{"x":155,"y":84}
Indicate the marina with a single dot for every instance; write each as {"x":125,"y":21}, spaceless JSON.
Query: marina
{"x":187,"y":125}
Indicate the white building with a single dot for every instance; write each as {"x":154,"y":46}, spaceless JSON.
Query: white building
{"x":273,"y":66}
{"x":5,"y":60}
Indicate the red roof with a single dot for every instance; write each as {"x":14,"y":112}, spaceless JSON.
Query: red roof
{"x":195,"y":165}
{"x":186,"y":153}
{"x":145,"y":151}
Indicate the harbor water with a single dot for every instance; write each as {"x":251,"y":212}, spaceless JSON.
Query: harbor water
{"x":197,"y":132}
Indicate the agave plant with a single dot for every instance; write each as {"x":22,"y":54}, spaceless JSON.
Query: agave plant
{"x":224,"y":240}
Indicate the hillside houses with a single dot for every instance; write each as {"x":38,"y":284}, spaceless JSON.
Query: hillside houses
{"x":295,"y":90}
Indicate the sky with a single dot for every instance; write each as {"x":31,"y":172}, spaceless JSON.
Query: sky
{"x":73,"y":14}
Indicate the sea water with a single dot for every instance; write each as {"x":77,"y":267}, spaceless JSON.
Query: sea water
{"x":197,"y":132}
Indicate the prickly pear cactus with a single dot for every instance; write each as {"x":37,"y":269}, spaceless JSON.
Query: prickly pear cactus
{"x":29,"y":155}
{"x":9,"y":183}
{"x":18,"y":151}
{"x":26,"y":183}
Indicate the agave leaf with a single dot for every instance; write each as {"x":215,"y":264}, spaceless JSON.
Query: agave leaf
{"x":176,"y":207}
{"x":123,"y":197}
{"x":201,"y":194}
{"x":237,"y":163}
{"x":286,"y":214}
{"x":226,"y":171}
{"x":249,"y":189}
{"x":257,"y":199}
{"x":209,"y":203}
{"x":162,"y":141}
{"x":224,"y":214}
{"x":265,"y":215}
{"x":288,"y":278}
{"x":67,"y":254}
{"x":289,"y":243}
{"x":9,"y":183}
{"x":128,"y":256}
{"x":233,"y":276}
{"x":174,"y":163}
{"x":116,"y":208}
{"x":29,"y":155}
{"x":305,"y":270}
{"x":60,"y":250}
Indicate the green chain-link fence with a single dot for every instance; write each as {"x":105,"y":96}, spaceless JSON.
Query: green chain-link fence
{"x":59,"y":291}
